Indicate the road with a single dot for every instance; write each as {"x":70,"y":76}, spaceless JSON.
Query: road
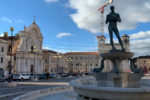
{"x":7,"y":93}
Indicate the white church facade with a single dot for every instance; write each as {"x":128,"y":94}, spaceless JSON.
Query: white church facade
{"x":29,"y":58}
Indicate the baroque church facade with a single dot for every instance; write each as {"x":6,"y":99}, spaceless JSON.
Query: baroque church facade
{"x":29,"y":58}
{"x":26,"y":51}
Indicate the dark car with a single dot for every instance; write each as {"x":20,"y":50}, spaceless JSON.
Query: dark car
{"x":64,"y":75}
{"x":52,"y":75}
{"x":2,"y":78}
{"x":42,"y":76}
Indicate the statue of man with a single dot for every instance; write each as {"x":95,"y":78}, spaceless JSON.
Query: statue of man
{"x":112,"y":19}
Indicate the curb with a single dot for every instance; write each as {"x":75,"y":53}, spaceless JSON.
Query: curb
{"x":44,"y":92}
{"x":3,"y":96}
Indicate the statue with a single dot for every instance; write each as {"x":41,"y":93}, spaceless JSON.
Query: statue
{"x":112,"y":19}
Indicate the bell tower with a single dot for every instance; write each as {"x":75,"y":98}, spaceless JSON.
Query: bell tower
{"x":126,"y":42}
{"x":101,"y":43}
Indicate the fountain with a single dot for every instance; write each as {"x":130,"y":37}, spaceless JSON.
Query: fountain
{"x":116,"y":84}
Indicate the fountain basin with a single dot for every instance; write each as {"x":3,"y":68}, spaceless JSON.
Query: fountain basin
{"x":117,"y":55}
{"x":88,"y":90}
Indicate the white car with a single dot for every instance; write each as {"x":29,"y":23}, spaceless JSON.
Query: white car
{"x":22,"y":76}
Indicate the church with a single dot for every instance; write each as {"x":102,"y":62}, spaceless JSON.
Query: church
{"x":26,"y":50}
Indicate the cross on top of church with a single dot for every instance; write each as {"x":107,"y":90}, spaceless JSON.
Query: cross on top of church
{"x":34,"y":19}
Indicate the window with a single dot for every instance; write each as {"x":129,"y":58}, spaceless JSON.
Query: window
{"x":2,"y":49}
{"x":32,"y":48}
{"x":77,"y":64}
{"x":9,"y":49}
{"x":2,"y":59}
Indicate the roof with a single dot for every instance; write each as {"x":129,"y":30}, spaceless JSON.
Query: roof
{"x":49,"y":51}
{"x":143,"y":57}
{"x":82,"y":53}
{"x":125,"y":35}
{"x":9,"y":38}
{"x":2,"y":41}
{"x":101,"y":36}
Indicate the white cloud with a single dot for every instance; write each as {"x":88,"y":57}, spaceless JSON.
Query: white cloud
{"x":63,"y":34}
{"x":1,"y":34}
{"x":140,"y":35}
{"x":7,"y":20}
{"x":140,"y":47}
{"x":46,"y":47}
{"x":19,"y":21}
{"x":140,"y":43}
{"x":49,"y":1}
{"x":130,"y":12}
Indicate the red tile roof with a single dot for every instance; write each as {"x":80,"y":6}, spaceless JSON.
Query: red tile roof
{"x":82,"y":53}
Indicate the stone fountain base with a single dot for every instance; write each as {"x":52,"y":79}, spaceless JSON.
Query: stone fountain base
{"x":87,"y":89}
{"x":122,"y":80}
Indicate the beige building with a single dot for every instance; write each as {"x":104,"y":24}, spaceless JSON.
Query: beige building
{"x":54,"y":62}
{"x":82,"y":61}
{"x":3,"y":55}
{"x":142,"y":61}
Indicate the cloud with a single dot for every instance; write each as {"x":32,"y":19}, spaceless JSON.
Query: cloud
{"x":46,"y":47}
{"x":18,"y":21}
{"x":140,"y":43}
{"x":7,"y":20}
{"x":1,"y":34}
{"x":49,"y":1}
{"x":63,"y":34}
{"x":140,"y":35}
{"x":87,"y":17}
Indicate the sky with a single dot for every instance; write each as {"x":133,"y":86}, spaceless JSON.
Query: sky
{"x":72,"y":25}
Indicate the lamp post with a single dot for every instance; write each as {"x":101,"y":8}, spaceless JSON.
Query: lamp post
{"x":10,"y":63}
{"x":33,"y":50}
{"x":69,"y":63}
{"x":57,"y":57}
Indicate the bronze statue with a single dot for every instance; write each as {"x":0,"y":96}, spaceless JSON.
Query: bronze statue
{"x":112,"y":19}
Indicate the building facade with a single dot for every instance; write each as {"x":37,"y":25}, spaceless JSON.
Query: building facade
{"x":82,"y":61}
{"x":142,"y":62}
{"x":3,"y":55}
{"x":26,"y":50}
{"x":29,"y":58}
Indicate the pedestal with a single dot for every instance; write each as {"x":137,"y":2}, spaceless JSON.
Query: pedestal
{"x":121,"y":80}
{"x":116,"y":58}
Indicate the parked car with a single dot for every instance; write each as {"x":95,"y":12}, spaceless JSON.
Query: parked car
{"x":2,"y":78}
{"x":22,"y":76}
{"x":88,"y":73}
{"x":42,"y":76}
{"x":64,"y":75}
{"x":53,"y":75}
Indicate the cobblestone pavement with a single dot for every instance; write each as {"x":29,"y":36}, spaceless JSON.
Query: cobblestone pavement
{"x":7,"y":93}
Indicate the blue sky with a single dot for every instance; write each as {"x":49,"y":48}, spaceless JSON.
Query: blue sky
{"x":57,"y":17}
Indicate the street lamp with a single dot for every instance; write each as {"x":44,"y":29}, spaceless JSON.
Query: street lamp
{"x":10,"y":63}
{"x":69,"y":63}
{"x":33,"y":50}
{"x":57,"y":57}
